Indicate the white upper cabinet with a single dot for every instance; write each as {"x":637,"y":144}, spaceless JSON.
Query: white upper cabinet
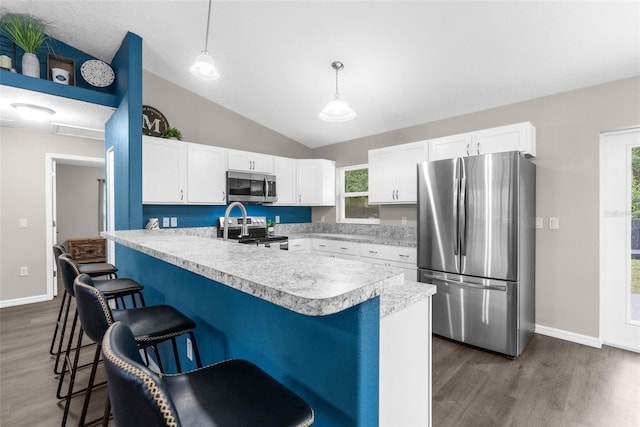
{"x":163,"y":171}
{"x":393,"y":172}
{"x":517,"y":137}
{"x":206,"y":174}
{"x":286,"y":171}
{"x":316,"y":182}
{"x":249,"y":162}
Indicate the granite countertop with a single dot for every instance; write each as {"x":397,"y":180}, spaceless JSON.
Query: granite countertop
{"x":307,"y":284}
{"x":359,"y":238}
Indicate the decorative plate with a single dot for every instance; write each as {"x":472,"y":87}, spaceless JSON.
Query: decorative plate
{"x":97,"y":73}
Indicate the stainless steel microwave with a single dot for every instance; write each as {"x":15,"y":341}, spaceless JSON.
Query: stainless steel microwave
{"x":251,"y":187}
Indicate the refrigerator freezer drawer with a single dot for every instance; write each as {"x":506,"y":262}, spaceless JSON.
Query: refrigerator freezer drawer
{"x":481,"y":315}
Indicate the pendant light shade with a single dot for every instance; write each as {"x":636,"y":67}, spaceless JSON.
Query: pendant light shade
{"x":204,"y":67}
{"x":337,"y":110}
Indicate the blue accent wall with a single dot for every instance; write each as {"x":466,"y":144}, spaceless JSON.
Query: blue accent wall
{"x":330,"y":361}
{"x":206,"y":216}
{"x":123,"y":132}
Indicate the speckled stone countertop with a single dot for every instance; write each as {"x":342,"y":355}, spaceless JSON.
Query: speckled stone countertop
{"x":307,"y":284}
{"x":359,"y":238}
{"x":376,"y":234}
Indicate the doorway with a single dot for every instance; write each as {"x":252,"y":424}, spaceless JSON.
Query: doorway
{"x":620,"y":239}
{"x":52,"y":161}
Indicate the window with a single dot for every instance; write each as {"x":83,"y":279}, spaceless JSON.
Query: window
{"x":354,"y":196}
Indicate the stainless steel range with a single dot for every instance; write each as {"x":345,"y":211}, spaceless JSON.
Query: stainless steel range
{"x":257,"y":232}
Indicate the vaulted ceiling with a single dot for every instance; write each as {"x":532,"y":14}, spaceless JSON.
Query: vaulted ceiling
{"x":406,"y":63}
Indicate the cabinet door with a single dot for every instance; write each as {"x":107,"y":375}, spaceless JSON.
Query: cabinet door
{"x":300,"y":245}
{"x":450,"y":147}
{"x":316,"y":182}
{"x":518,"y":137}
{"x":382,"y":176}
{"x":206,"y":181}
{"x":407,"y":158}
{"x":247,"y":161}
{"x":163,"y":164}
{"x":286,"y":171}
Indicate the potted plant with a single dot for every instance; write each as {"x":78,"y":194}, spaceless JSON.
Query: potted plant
{"x":172,"y":133}
{"x":28,"y":33}
{"x":270,"y":227}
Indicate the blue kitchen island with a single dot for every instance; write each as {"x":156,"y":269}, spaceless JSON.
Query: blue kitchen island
{"x":311,"y":322}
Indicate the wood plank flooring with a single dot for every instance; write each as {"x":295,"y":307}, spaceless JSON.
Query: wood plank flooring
{"x":553,"y":383}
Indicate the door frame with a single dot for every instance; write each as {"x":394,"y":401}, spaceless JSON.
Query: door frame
{"x":602,"y":249}
{"x":51,"y":160}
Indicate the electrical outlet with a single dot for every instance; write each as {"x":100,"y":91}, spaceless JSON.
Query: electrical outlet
{"x":322,"y":218}
{"x":554,"y":223}
{"x":538,"y":222}
{"x":277,"y":219}
{"x":189,"y":349}
{"x":165,"y":222}
{"x":24,"y":271}
{"x":174,"y":221}
{"x":24,"y":223}
{"x":404,"y":220}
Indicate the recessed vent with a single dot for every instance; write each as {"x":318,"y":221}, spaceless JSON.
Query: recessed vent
{"x":77,"y":131}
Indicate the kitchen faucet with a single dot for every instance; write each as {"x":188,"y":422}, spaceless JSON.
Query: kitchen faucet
{"x":245,"y":229}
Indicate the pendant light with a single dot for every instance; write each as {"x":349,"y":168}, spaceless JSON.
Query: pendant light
{"x":337,"y":110}
{"x":204,"y":67}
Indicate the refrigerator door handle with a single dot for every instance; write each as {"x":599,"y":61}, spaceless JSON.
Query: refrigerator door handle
{"x":456,"y":241}
{"x":462,"y":214}
{"x":446,"y":282}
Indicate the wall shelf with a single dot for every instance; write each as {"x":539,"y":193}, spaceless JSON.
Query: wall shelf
{"x":8,"y":78}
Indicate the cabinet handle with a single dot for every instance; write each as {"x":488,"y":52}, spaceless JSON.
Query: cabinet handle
{"x":344,"y":249}
{"x":322,"y":246}
{"x":404,"y":256}
{"x":224,"y":196}
{"x":373,"y":252}
{"x":478,"y":147}
{"x":467,"y":149}
{"x":181,"y":194}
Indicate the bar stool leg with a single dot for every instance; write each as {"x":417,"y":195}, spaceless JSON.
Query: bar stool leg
{"x":55,"y":332}
{"x":92,"y":378}
{"x":176,"y":355}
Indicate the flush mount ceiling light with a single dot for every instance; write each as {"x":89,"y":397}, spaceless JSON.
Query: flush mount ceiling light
{"x":33,"y":112}
{"x":204,"y":67}
{"x":337,"y":110}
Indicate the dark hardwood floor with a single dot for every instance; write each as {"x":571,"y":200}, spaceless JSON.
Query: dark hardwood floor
{"x":553,"y":383}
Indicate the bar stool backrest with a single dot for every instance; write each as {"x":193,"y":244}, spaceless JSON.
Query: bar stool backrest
{"x":136,"y":393}
{"x":93,"y":309}
{"x":69,"y":271}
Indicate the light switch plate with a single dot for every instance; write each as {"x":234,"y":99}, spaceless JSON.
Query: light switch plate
{"x":554,"y":223}
{"x":24,"y":223}
{"x":165,"y":222}
{"x":538,"y":222}
{"x":277,"y":219}
{"x":174,"y":221}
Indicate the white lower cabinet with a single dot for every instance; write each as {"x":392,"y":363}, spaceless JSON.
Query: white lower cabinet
{"x":405,"y":366}
{"x":393,"y":256}
{"x":335,"y":248}
{"x":300,"y":245}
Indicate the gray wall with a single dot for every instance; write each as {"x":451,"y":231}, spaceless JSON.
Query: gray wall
{"x":568,"y":128}
{"x":22,"y":195}
{"x":77,"y":201}
{"x":204,"y":122}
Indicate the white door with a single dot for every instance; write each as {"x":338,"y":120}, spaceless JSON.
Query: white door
{"x":54,"y":221}
{"x":619,"y":257}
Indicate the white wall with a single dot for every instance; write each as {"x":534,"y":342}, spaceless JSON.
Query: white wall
{"x":77,"y":201}
{"x":22,"y":195}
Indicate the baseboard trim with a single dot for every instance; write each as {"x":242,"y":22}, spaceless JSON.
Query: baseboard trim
{"x":23,"y":301}
{"x":569,"y":336}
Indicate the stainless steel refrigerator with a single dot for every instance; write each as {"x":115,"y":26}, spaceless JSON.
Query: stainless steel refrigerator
{"x":476,"y":244}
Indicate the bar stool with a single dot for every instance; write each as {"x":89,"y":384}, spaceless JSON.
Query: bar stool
{"x":112,"y":288}
{"x":229,"y":393}
{"x":94,"y":269}
{"x":151,"y":325}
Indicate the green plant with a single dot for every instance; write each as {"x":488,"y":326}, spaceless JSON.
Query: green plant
{"x":26,"y":31}
{"x":171,"y":133}
{"x":270,"y":223}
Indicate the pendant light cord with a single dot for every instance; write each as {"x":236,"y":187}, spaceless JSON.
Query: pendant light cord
{"x":206,"y":39}
{"x":337,"y":93}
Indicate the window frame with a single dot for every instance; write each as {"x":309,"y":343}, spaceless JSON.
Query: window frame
{"x":340,"y":214}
